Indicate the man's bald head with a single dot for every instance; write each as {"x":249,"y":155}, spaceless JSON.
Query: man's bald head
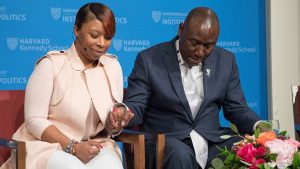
{"x":198,"y":35}
{"x":204,"y":16}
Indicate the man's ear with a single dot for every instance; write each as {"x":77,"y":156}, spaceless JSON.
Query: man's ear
{"x":76,"y":30}
{"x":180,"y":29}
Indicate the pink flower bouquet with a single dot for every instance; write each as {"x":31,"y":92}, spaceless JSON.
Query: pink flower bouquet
{"x":265,"y":149}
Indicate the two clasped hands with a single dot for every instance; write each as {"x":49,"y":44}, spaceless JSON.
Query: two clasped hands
{"x":117,"y":118}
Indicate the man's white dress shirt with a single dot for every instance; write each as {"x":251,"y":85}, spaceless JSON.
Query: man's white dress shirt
{"x":192,"y":80}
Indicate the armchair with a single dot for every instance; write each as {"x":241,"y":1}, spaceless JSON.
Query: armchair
{"x":12,"y":112}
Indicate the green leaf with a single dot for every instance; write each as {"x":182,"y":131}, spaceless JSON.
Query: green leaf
{"x":265,"y":126}
{"x":296,"y":160}
{"x":234,"y":128}
{"x":243,"y":167}
{"x":257,"y":132}
{"x":235,"y":166}
{"x":283,"y":133}
{"x":217,"y":163}
{"x":230,"y":157}
{"x":222,"y":150}
{"x":225,"y":137}
{"x":230,"y":160}
{"x":266,"y":166}
{"x":260,"y":166}
{"x":237,"y":159}
{"x":273,"y":156}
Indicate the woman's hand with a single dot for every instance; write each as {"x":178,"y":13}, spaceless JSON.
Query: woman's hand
{"x":118,"y":118}
{"x":87,"y":150}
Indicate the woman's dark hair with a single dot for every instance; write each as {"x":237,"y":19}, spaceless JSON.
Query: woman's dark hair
{"x":98,"y":11}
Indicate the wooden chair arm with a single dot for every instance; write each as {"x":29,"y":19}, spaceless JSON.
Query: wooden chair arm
{"x":137,"y":140}
{"x":21,"y":155}
{"x":160,"y":150}
{"x":20,"y":148}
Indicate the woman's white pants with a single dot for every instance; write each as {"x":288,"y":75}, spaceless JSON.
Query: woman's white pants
{"x":106,"y":159}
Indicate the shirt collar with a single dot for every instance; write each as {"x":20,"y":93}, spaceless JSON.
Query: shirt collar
{"x":74,"y":58}
{"x":180,"y":59}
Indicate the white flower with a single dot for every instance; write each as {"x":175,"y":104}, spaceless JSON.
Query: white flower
{"x":284,"y":150}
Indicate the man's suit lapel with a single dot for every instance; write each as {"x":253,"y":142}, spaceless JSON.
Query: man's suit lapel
{"x":171,"y":62}
{"x":208,"y":73}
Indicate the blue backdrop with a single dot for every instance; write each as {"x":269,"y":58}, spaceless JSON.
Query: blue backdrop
{"x":30,"y":28}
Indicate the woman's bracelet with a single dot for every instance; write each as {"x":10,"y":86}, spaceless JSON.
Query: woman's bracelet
{"x":112,"y":134}
{"x":73,"y":149}
{"x":70,"y":147}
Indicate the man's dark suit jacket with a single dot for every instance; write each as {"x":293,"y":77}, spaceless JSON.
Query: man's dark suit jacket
{"x":156,"y":96}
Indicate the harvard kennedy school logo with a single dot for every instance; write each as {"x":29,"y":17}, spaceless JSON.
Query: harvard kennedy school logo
{"x":12,"y":43}
{"x":55,"y":13}
{"x":156,"y":15}
{"x":118,"y":43}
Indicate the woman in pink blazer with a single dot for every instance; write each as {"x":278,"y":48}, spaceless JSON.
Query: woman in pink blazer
{"x":69,"y":97}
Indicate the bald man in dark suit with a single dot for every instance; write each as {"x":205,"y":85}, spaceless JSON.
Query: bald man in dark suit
{"x":178,"y":88}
